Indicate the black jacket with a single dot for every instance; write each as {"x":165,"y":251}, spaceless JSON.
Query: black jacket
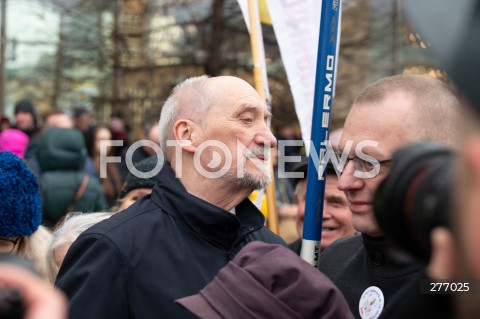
{"x":296,"y":246}
{"x":166,"y":246}
{"x":359,"y":262}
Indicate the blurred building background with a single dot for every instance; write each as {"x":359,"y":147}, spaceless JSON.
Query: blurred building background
{"x":122,"y":57}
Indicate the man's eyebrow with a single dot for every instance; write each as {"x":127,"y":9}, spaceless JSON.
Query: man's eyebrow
{"x":372,"y":153}
{"x":336,"y":198}
{"x":246,"y":107}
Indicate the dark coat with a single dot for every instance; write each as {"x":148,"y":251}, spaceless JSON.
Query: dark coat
{"x":61,"y":156}
{"x":296,"y":246}
{"x":167,"y":245}
{"x":359,"y":262}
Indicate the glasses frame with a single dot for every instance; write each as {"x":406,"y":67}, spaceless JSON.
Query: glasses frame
{"x":359,"y":168}
{"x":14,"y":241}
{"x":360,"y":171}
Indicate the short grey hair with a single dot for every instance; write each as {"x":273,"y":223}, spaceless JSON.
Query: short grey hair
{"x":68,"y":231}
{"x":189,"y":99}
{"x":438,"y":110}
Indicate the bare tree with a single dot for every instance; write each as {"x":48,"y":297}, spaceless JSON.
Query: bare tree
{"x":130,"y":53}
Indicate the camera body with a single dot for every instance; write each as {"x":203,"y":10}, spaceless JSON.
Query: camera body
{"x":415,"y":197}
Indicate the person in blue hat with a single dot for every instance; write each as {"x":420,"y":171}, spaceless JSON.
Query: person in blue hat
{"x":21,"y":212}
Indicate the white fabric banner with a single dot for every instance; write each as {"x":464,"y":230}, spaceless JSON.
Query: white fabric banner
{"x":244,"y":7}
{"x":296,"y":24}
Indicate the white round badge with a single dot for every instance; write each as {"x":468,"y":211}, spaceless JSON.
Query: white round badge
{"x":371,"y":303}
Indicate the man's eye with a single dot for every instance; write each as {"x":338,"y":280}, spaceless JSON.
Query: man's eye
{"x":336,"y":203}
{"x":368,"y":164}
{"x":247,"y":119}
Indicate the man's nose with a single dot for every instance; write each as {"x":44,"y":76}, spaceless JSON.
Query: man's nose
{"x":326,"y":213}
{"x":348,"y":180}
{"x":266,"y":137}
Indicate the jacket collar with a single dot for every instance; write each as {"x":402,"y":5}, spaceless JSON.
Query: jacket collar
{"x":210,"y":222}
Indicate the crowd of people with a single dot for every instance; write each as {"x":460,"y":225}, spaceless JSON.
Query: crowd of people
{"x":187,"y":241}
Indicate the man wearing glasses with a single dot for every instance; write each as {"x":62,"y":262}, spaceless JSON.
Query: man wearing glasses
{"x":21,"y":213}
{"x":385,"y":116}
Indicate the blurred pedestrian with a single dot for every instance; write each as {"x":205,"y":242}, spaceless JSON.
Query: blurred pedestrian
{"x":119,"y":130}
{"x":4,"y":123}
{"x":65,"y":234}
{"x":65,"y":186}
{"x":136,"y":186}
{"x":337,"y":217}
{"x":61,"y":119}
{"x":26,"y":120}
{"x":58,"y":119}
{"x":99,"y":146}
{"x":82,"y":119}
{"x":148,"y":135}
{"x":21,"y":213}
{"x":15,"y":141}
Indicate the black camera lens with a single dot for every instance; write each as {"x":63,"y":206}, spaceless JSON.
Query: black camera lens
{"x":415,"y":196}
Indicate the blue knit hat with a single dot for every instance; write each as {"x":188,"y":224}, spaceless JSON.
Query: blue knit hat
{"x":20,"y":199}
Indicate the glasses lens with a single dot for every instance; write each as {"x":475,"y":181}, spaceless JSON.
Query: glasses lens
{"x":360,"y":165}
{"x":6,"y":246}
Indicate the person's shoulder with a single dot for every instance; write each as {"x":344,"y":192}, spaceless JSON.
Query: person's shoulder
{"x":343,"y":259}
{"x":266,"y":235}
{"x":296,"y":246}
{"x":344,"y":246}
{"x":349,"y":241}
{"x":133,"y":218}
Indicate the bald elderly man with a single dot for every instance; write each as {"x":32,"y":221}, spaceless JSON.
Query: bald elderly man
{"x":215,"y":138}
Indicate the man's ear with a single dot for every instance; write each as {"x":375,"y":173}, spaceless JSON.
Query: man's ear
{"x":184,"y":132}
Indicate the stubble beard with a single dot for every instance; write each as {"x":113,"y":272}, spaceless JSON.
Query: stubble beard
{"x":252,"y":181}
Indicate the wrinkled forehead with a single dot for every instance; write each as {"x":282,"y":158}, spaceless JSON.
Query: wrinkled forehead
{"x":228,"y":86}
{"x":234,"y":94}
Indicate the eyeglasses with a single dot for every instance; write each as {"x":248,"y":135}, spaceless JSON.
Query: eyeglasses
{"x":7,"y":245}
{"x":364,"y":168}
